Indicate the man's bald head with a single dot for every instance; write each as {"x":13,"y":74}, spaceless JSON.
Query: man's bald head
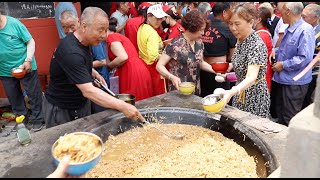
{"x":94,"y":25}
{"x":90,"y":13}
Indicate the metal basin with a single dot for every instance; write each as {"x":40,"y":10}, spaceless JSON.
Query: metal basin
{"x":233,"y":129}
{"x":128,"y":98}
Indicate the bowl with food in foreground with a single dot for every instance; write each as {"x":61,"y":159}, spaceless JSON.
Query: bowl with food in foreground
{"x":18,"y":72}
{"x":213,"y":103}
{"x":128,"y":98}
{"x":83,"y":148}
{"x":187,"y":88}
{"x":220,"y":67}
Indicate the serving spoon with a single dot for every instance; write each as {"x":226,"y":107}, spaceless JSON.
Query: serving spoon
{"x":177,"y":137}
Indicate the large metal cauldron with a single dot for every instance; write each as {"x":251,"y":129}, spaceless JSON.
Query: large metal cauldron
{"x":233,"y":129}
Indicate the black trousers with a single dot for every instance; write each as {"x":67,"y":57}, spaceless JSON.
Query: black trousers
{"x":273,"y":97}
{"x":289,"y":101}
{"x":54,"y":115}
{"x":208,"y":83}
{"x":309,"y":97}
{"x":31,"y":84}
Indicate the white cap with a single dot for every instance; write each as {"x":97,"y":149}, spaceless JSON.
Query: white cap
{"x":157,"y":11}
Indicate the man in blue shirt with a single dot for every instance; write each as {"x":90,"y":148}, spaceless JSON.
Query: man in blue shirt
{"x":293,"y":55}
{"x":100,"y":56}
{"x":63,"y":6}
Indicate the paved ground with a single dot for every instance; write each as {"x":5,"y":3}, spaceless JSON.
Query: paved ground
{"x":7,"y":130}
{"x":6,"y":127}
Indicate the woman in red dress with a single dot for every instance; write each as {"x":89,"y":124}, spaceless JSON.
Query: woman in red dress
{"x":262,"y":30}
{"x":134,"y":76}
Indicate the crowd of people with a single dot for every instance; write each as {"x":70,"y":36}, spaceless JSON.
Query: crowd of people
{"x":153,"y":47}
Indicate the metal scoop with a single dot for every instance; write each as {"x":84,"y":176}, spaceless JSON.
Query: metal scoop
{"x":177,"y":137}
{"x":105,"y":87}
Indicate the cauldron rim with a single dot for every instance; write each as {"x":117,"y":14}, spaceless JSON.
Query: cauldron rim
{"x":263,"y":147}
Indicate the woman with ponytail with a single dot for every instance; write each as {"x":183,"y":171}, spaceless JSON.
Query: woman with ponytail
{"x":174,"y":27}
{"x":262,"y":25}
{"x":134,"y":77}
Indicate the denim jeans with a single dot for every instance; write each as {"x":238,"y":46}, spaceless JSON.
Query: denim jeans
{"x":31,"y":84}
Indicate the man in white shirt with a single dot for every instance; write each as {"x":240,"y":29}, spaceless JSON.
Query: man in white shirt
{"x":280,"y":28}
{"x":277,"y":37}
{"x":121,"y":15}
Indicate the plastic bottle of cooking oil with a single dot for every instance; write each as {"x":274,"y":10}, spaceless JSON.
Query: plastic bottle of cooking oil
{"x":23,"y":133}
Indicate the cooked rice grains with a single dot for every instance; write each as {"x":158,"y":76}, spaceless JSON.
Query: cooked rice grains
{"x":144,"y":152}
{"x":80,"y":147}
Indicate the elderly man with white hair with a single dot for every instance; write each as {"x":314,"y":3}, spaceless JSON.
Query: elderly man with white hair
{"x":293,"y":55}
{"x":311,"y":14}
{"x":204,"y":8}
{"x":69,"y":21}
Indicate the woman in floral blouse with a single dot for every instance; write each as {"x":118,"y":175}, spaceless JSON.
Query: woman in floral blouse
{"x":185,"y":54}
{"x":249,"y":62}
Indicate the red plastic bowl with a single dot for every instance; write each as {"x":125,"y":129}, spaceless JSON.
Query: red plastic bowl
{"x":18,"y":72}
{"x":220,"y":67}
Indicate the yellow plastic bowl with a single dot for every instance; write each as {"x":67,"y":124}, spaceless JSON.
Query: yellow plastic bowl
{"x":214,"y":106}
{"x":187,"y":88}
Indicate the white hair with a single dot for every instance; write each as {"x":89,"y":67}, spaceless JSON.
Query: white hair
{"x":67,"y":14}
{"x":204,"y":7}
{"x":295,"y":7}
{"x":314,"y":9}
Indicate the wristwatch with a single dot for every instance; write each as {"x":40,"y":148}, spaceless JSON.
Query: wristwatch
{"x":28,"y":60}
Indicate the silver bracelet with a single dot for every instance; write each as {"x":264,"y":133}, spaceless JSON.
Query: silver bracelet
{"x":28,"y":60}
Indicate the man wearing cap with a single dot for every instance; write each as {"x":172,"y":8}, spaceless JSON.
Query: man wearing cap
{"x":133,"y":24}
{"x":150,"y":44}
